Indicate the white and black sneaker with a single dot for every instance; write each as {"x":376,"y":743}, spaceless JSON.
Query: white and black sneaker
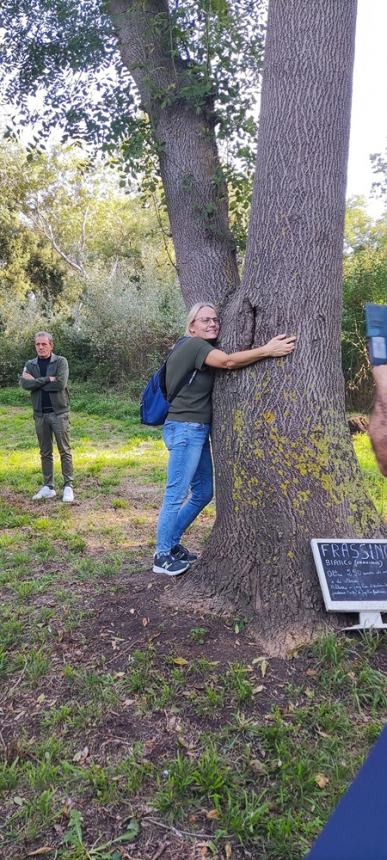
{"x":182,"y":553}
{"x":164,"y":562}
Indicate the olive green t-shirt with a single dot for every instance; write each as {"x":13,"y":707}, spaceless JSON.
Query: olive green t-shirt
{"x":193,"y":402}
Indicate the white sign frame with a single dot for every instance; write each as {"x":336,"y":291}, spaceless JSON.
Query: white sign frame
{"x":344,"y":605}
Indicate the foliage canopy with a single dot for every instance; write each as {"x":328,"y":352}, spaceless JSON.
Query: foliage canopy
{"x":67,"y":52}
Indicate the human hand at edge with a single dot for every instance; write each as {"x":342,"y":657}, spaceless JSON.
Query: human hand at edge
{"x":280,"y":345}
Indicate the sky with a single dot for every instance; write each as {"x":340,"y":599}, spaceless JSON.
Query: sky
{"x":369,"y":99}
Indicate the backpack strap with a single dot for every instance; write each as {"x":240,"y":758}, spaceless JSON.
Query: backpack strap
{"x":188,"y":378}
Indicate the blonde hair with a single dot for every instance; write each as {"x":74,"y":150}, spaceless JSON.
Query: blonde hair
{"x":193,"y":312}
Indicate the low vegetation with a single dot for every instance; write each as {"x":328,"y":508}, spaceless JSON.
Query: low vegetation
{"x":128,"y":730}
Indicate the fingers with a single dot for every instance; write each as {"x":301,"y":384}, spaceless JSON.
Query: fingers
{"x":284,"y":347}
{"x":281,"y":344}
{"x":285,"y":337}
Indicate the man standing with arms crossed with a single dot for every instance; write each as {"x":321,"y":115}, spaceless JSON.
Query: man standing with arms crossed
{"x":46,"y":378}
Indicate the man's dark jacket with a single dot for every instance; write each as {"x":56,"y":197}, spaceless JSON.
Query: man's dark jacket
{"x":59,"y":395}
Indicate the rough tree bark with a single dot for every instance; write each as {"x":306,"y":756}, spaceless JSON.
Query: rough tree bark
{"x":285,"y":466}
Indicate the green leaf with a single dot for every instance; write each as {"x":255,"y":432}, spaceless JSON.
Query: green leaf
{"x":73,"y":835}
{"x":130,"y":834}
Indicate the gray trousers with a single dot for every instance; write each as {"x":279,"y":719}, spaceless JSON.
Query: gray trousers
{"x":47,"y":426}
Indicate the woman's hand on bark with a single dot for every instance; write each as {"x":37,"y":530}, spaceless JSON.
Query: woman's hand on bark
{"x":280,"y":345}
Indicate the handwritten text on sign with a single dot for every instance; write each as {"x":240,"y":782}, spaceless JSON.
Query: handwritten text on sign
{"x":352,"y":572}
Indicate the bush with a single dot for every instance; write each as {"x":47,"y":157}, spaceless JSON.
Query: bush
{"x":118,"y":333}
{"x":129,"y":326}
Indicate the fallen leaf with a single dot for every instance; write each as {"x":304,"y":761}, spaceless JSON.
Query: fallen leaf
{"x":115,"y":643}
{"x":180,"y":661}
{"x":19,"y":715}
{"x":321,"y":780}
{"x":40,"y":699}
{"x":228,"y":851}
{"x":67,"y":806}
{"x":312,"y":673}
{"x":18,"y":800}
{"x":45,"y":849}
{"x":258,"y":689}
{"x":263,"y":664}
{"x":212,"y":814}
{"x":81,"y":755}
{"x":322,"y":734}
{"x":145,"y":622}
{"x":174,"y":724}
{"x":184,"y":743}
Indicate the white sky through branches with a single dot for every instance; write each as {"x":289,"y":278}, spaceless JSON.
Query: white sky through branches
{"x":369,"y":103}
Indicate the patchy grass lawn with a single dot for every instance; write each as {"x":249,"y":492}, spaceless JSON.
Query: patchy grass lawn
{"x":129,"y":733}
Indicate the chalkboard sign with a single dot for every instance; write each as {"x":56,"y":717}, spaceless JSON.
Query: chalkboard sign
{"x":352,"y":573}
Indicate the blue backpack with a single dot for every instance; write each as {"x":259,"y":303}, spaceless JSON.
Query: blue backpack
{"x":154,"y":403}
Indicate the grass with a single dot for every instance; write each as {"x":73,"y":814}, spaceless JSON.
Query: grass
{"x":120,"y":719}
{"x":374,"y":481}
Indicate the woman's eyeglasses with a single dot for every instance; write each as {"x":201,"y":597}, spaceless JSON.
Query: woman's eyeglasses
{"x":207,"y":320}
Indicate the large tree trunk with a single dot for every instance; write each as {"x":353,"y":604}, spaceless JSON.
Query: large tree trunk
{"x":285,"y":465}
{"x":183,"y":127}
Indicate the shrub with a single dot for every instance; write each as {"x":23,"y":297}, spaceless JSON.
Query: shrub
{"x":117,"y":334}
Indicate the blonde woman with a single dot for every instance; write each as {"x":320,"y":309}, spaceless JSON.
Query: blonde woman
{"x":186,"y":431}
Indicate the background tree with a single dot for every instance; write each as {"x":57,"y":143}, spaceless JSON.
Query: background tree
{"x":85,"y":259}
{"x":285,"y":466}
{"x":379,"y":166}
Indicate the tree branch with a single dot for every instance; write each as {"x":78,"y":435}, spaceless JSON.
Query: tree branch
{"x":180,"y":107}
{"x":43,"y":225}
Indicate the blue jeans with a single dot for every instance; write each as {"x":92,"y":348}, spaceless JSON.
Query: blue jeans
{"x":189,"y":470}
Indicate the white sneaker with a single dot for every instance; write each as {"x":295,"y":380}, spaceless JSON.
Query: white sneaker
{"x":44,"y":493}
{"x":68,"y":495}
